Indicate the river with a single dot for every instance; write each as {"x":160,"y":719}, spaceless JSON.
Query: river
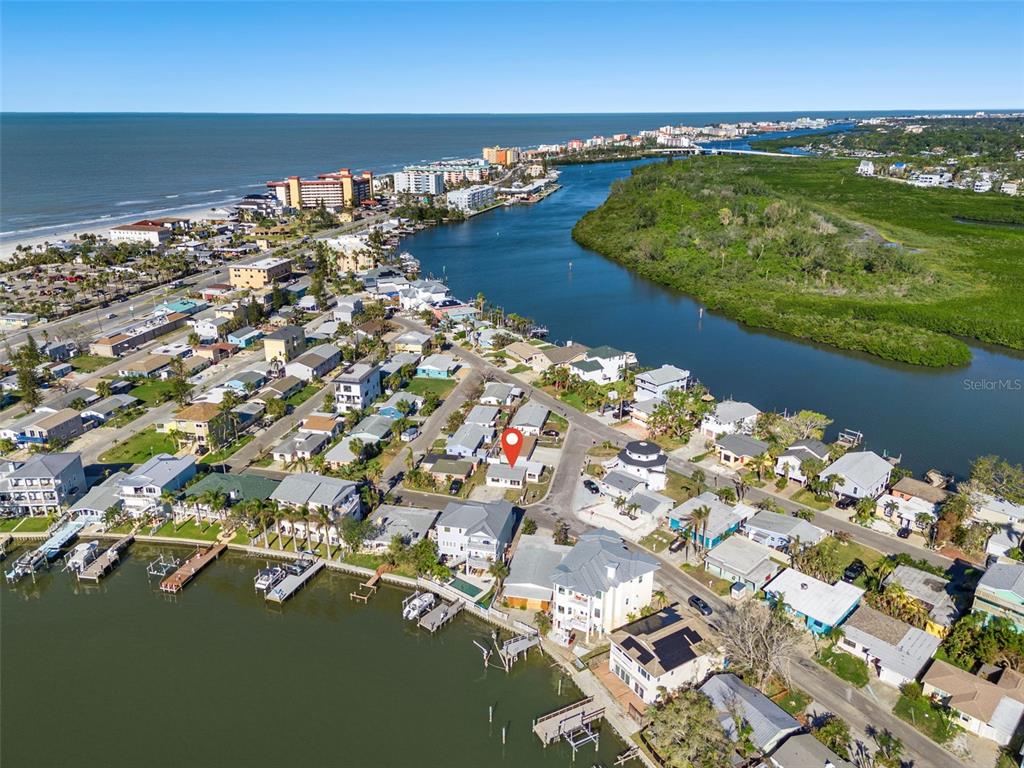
{"x":123,"y":675}
{"x":524,"y":259}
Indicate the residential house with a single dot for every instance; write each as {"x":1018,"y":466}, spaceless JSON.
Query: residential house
{"x":482,"y":416}
{"x":742,"y":561}
{"x":347,"y":309}
{"x":529,"y":584}
{"x":989,"y":508}
{"x":723,"y":519}
{"x":300,"y":446}
{"x":398,"y":362}
{"x":235,"y":488}
{"x":437,"y":367}
{"x":53,"y":429}
{"x":822,"y":606}
{"x":210,"y":329}
{"x":468,"y":440}
{"x":802,"y":750}
{"x":860,"y":474}
{"x":618,"y":484}
{"x":105,"y":409}
{"x":283,"y":388}
{"x":564,"y":355}
{"x":642,"y":411}
{"x":663,"y":651}
{"x":530,"y":418}
{"x":216,"y":352}
{"x":767,"y":724}
{"x":504,"y":476}
{"x":93,"y":506}
{"x":284,"y":344}
{"x":399,"y":405}
{"x":654,"y":384}
{"x":149,"y":367}
{"x":598,"y":584}
{"x":933,"y":592}
{"x":499,"y":394}
{"x":244,"y":337}
{"x":202,"y":424}
{"x":652,"y":504}
{"x":892,"y":649}
{"x":44,"y":484}
{"x":475,"y":533}
{"x":527,"y":354}
{"x":445,"y":469}
{"x":729,"y":417}
{"x":372,"y":429}
{"x":602,"y":365}
{"x":321,"y":424}
{"x":141,"y":490}
{"x":779,"y":531}
{"x":410,"y":524}
{"x":644,"y":460}
{"x":246,"y":382}
{"x":1000,"y":592}
{"x":338,"y":498}
{"x":790,"y":462}
{"x":991,"y":708}
{"x":412,"y":341}
{"x":737,"y":450}
{"x":356,"y":387}
{"x":314,"y":364}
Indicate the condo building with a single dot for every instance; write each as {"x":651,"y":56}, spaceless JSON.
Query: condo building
{"x":260,"y":273}
{"x":341,"y":189}
{"x":419,"y":182}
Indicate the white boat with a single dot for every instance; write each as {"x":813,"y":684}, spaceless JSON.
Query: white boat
{"x":419,"y":605}
{"x":267,"y":578}
{"x":81,"y":556}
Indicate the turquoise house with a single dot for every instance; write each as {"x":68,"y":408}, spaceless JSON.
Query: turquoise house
{"x":724,"y":520}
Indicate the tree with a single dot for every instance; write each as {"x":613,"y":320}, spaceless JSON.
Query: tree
{"x":354,"y":532}
{"x":685,"y":733}
{"x":761,"y":641}
{"x":103,"y":389}
{"x":998,"y":477}
{"x":543,"y":622}
{"x":834,"y":733}
{"x":499,"y":571}
{"x":889,"y":752}
{"x":28,"y":384}
{"x":699,"y":518}
{"x":529,"y":526}
{"x":562,"y":534}
{"x":762,"y":463}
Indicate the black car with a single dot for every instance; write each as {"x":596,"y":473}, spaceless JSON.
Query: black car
{"x":551,"y":433}
{"x":591,"y":486}
{"x":455,"y":487}
{"x":699,"y":605}
{"x":853,"y":570}
{"x":846,"y":502}
{"x":903,"y":533}
{"x":678,"y":543}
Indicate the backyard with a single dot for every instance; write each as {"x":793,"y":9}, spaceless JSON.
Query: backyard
{"x":90,"y":363}
{"x":845,"y":666}
{"x":153,"y":391}
{"x":423,"y":387}
{"x":140,"y":447}
{"x":189,"y":530}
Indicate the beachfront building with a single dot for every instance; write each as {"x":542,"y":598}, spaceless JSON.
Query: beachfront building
{"x":859,"y":474}
{"x":1000,"y":592}
{"x":419,"y":182}
{"x":663,"y":651}
{"x":471,"y":198}
{"x":259,"y":274}
{"x":146,"y":234}
{"x":456,"y":171}
{"x":821,"y":605}
{"x":892,"y":649}
{"x":598,"y":584}
{"x":988,"y":707}
{"x":410,"y":525}
{"x":306,"y":490}
{"x":475,"y":534}
{"x":341,"y":189}
{"x":654,"y":384}
{"x":643,"y":460}
{"x":140,"y":492}
{"x":729,"y":417}
{"x":356,"y":387}
{"x":529,"y":583}
{"x":737,"y":703}
{"x":44,"y":484}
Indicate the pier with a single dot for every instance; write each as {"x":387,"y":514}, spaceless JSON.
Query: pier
{"x":571,"y":722}
{"x":437,"y":617}
{"x":511,"y":649}
{"x":107,"y":561}
{"x":298,"y":574}
{"x":32,"y":562}
{"x":193,"y":565}
{"x":370,"y":585}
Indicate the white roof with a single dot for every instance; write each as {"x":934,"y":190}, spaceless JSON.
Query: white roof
{"x":864,"y":469}
{"x":827,"y":603}
{"x":729,"y":411}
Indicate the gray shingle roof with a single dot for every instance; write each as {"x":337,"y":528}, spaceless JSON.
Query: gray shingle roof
{"x":531,"y":415}
{"x":490,"y":517}
{"x":533,"y":565}
{"x":768,"y":721}
{"x":897,"y":645}
{"x":307,"y":487}
{"x":599,"y":561}
{"x":1008,"y":577}
{"x":862,"y":468}
{"x":729,"y":411}
{"x":742,"y":445}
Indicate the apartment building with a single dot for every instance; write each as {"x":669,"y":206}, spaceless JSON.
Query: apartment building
{"x":456,"y":171}
{"x":149,"y":234}
{"x":44,"y":484}
{"x":340,"y":189}
{"x":419,"y":182}
{"x":259,"y":274}
{"x":356,"y":387}
{"x":471,"y":198}
{"x":284,"y":344}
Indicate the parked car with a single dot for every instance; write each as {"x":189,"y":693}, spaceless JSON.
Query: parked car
{"x":903,"y":533}
{"x":591,"y":486}
{"x":699,"y":605}
{"x":678,"y":543}
{"x":853,"y":570}
{"x":552,"y":433}
{"x":846,"y":502}
{"x":455,"y":487}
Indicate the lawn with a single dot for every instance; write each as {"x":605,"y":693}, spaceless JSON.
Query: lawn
{"x":215,"y":457}
{"x":153,"y":392}
{"x":931,"y":719}
{"x":853,"y":551}
{"x":25,"y":524}
{"x":140,"y":447}
{"x":90,"y":363}
{"x":657,"y":540}
{"x":189,"y":530}
{"x":850,"y":669}
{"x":423,"y":387}
{"x":303,"y":395}
{"x":574,"y":400}
{"x":805,"y":497}
{"x":521,"y":368}
{"x":8,"y":524}
{"x":679,"y":487}
{"x":719,"y":586}
{"x":794,"y":701}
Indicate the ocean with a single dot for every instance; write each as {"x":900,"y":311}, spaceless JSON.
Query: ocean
{"x":64,"y":170}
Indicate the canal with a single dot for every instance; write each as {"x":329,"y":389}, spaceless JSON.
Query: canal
{"x":525,"y":260}
{"x":121,"y":675}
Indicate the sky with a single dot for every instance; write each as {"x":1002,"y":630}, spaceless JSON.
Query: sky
{"x":433,"y":57}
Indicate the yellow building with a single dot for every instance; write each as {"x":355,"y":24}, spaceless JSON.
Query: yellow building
{"x":284,"y":344}
{"x":260,"y":273}
{"x":202,"y":424}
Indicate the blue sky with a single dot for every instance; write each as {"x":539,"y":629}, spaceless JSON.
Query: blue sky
{"x":509,"y":57}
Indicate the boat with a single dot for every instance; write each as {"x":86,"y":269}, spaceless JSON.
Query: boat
{"x":268,"y":578}
{"x":419,"y":605}
{"x":81,"y":556}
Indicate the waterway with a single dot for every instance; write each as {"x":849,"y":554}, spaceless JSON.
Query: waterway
{"x":122,"y":675}
{"x":524,"y":259}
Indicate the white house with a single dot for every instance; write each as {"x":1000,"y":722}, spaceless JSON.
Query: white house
{"x":530,"y":418}
{"x":655,"y":383}
{"x":475,"y":534}
{"x":602,"y":365}
{"x":643,"y":460}
{"x":991,"y":708}
{"x":314,"y":363}
{"x":498,"y":393}
{"x":791,"y":460}
{"x":894,"y":650}
{"x":356,"y":387}
{"x":778,"y":531}
{"x":663,"y":651}
{"x":729,"y":417}
{"x":339,"y":498}
{"x":140,"y":491}
{"x":598,"y":584}
{"x":861,"y":474}
{"x":866,"y":168}
{"x":43,"y":484}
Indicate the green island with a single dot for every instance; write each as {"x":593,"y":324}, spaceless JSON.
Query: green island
{"x":806,"y":247}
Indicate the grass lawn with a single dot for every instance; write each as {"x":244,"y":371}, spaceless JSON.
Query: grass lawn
{"x":931,"y":719}
{"x":90,"y":363}
{"x":189,"y":530}
{"x":217,"y":456}
{"x":571,"y":398}
{"x":124,"y":418}
{"x":658,"y":540}
{"x":152,"y":392}
{"x":303,"y":395}
{"x":794,"y":701}
{"x":679,"y":487}
{"x":140,"y":447}
{"x":123,"y":528}
{"x":854,"y":551}
{"x":8,"y":524}
{"x":805,"y":497}
{"x":423,"y":387}
{"x":719,"y":586}
{"x":850,"y":669}
{"x":24,"y":524}
{"x":557,"y":422}
{"x":521,"y":368}
{"x":241,"y":537}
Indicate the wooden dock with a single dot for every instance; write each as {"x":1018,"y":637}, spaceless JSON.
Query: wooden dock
{"x":193,"y":565}
{"x":370,"y":585}
{"x":564,"y":722}
{"x":106,"y":562}
{"x":298,"y":574}
{"x":437,"y":617}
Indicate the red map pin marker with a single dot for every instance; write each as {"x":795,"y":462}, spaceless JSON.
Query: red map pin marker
{"x":511,"y":444}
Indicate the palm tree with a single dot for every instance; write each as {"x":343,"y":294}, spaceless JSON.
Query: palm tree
{"x":762,"y":463}
{"x":700,"y":519}
{"x":325,"y":525}
{"x":500,"y":572}
{"x":659,"y":599}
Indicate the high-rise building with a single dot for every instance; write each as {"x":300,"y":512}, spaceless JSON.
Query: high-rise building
{"x":341,"y":189}
{"x":419,"y":182}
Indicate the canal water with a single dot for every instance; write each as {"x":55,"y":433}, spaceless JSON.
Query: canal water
{"x":524,"y":259}
{"x":121,"y":675}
